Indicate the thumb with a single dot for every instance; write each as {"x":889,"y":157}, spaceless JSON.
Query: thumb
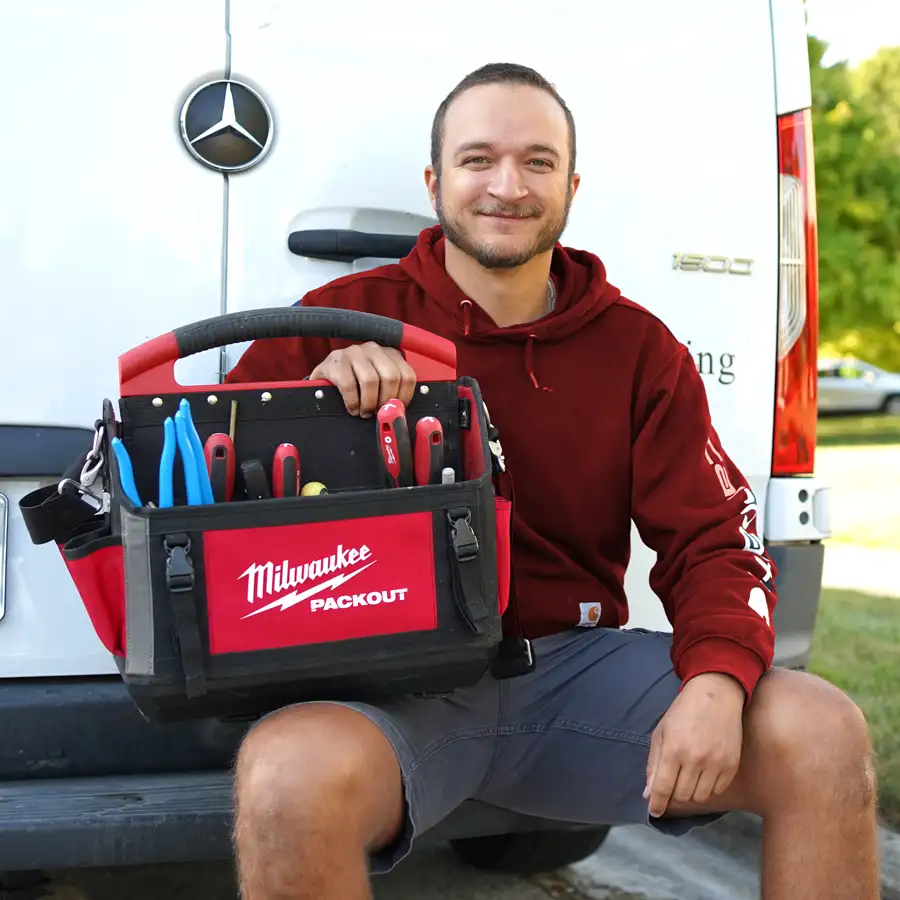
{"x":656,"y":741}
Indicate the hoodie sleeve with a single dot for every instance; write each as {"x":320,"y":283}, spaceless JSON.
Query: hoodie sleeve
{"x":695,"y":509}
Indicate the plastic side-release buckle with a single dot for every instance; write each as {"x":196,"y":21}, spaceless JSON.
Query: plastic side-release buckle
{"x":463,"y":538}
{"x":467,"y":586}
{"x":179,"y":567}
{"x":180,"y":582}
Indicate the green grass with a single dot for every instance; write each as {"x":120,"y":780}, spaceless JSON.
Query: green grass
{"x":845,"y":431}
{"x":857,"y":638}
{"x":865,"y":487}
{"x":857,"y":648}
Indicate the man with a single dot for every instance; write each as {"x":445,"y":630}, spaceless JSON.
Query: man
{"x":614,"y":725}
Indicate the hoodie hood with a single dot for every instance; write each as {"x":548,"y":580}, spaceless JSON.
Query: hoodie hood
{"x":582,"y":294}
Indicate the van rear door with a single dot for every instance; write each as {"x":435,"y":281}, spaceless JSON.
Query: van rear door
{"x":109,"y":235}
{"x":677,"y":148}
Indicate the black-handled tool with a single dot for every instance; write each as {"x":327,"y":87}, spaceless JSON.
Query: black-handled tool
{"x":256,"y":483}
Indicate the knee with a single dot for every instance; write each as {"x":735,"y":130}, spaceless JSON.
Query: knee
{"x":311,"y":768}
{"x":819,"y":739}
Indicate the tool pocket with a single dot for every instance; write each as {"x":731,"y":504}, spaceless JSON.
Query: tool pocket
{"x":95,"y":563}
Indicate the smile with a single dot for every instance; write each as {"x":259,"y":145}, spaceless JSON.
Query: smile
{"x":506,"y":217}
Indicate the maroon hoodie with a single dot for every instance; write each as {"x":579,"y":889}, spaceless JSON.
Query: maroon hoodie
{"x":603,"y":419}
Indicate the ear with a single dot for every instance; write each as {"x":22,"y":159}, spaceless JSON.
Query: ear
{"x":576,"y":180}
{"x":431,"y":182}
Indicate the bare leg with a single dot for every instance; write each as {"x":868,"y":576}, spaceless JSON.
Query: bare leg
{"x":316,"y":788}
{"x":807,"y":769}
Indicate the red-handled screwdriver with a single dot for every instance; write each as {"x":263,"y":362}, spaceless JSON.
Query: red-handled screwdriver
{"x":429,"y":456}
{"x":219,"y":454}
{"x":394,"y":445}
{"x":286,"y":471}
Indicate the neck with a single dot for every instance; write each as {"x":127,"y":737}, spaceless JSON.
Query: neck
{"x":508,"y":296}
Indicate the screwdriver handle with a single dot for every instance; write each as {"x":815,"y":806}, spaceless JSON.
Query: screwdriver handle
{"x":218,"y":451}
{"x":394,"y":444}
{"x":286,"y":471}
{"x":429,"y":455}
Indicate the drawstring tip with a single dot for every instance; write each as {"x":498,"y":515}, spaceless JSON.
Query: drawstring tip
{"x":529,"y":361}
{"x":466,"y":305}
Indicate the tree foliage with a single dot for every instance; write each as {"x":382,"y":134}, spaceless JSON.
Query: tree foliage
{"x":856,"y":132}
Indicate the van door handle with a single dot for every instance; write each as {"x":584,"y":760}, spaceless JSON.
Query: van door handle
{"x":346,"y":245}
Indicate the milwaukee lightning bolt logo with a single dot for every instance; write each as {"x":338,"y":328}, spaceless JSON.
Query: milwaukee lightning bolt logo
{"x":271,"y":580}
{"x":268,"y":579}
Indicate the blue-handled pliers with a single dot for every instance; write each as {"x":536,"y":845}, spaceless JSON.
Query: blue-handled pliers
{"x":181,"y":434}
{"x":167,"y":464}
{"x":206,"y":494}
{"x":126,"y":471}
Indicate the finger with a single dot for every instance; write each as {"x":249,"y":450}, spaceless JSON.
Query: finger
{"x":408,"y":378}
{"x":664,"y":780}
{"x":723,"y":782}
{"x":706,"y":785}
{"x":686,"y":783}
{"x":367,"y":378}
{"x":388,"y":375}
{"x":340,"y":373}
{"x":653,"y":760}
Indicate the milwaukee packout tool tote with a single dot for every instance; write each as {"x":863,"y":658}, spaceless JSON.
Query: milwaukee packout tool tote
{"x":242,"y":546}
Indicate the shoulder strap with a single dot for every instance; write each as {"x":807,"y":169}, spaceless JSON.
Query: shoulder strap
{"x":54,"y":512}
{"x":53,"y":516}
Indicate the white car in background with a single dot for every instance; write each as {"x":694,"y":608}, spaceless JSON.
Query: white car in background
{"x":854,"y":386}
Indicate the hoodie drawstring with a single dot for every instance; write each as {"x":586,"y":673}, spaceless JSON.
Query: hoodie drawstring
{"x":529,"y":363}
{"x":466,"y":306}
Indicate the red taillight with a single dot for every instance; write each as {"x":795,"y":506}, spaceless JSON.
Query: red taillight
{"x":794,"y":445}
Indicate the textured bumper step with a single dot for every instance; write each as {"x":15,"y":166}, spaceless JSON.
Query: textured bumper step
{"x":56,"y":823}
{"x":144,"y":819}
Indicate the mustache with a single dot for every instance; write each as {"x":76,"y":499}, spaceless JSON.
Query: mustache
{"x":514,"y":212}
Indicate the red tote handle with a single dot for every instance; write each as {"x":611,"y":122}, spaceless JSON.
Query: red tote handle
{"x":150,"y":367}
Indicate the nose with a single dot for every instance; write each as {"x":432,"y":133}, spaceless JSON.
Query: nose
{"x":507,"y":183}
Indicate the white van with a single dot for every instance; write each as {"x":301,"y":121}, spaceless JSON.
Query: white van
{"x":123,"y":215}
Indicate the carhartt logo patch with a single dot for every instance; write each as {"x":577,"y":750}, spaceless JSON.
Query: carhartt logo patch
{"x":590,"y":614}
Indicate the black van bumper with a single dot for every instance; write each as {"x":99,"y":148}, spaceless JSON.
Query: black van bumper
{"x":86,"y":781}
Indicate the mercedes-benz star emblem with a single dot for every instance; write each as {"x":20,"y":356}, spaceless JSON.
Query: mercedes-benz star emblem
{"x":226,"y":126}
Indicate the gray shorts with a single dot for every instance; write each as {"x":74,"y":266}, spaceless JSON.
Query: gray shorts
{"x":569,"y":741}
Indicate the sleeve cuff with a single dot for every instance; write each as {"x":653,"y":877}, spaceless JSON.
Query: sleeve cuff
{"x":727,"y":657}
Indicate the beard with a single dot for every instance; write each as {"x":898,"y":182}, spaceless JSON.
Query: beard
{"x":490,"y":257}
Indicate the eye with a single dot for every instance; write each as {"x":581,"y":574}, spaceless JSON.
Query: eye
{"x":477,"y":160}
{"x":541,"y":163}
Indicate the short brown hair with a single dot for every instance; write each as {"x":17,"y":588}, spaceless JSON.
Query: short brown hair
{"x":497,"y":73}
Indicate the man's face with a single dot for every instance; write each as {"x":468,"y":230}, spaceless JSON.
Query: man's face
{"x":504,"y":191}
